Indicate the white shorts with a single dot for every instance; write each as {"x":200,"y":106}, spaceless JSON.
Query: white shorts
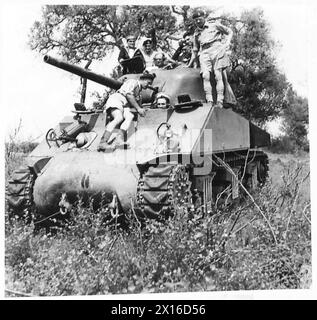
{"x":117,"y":101}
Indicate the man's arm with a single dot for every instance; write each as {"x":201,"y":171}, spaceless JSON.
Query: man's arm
{"x":195,"y":50}
{"x":178,"y":50}
{"x":133,"y":103}
{"x":169,"y":59}
{"x":225,"y":30}
{"x":122,"y":55}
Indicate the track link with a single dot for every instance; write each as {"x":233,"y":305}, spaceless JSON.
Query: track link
{"x":19,"y":192}
{"x":162,"y":189}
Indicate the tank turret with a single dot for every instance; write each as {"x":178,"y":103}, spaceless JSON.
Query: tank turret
{"x":190,"y":155}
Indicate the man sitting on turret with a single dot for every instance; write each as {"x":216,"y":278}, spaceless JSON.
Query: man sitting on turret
{"x":212,"y":40}
{"x":119,"y":104}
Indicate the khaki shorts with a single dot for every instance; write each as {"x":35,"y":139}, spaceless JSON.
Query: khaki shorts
{"x":116,"y":101}
{"x":213,"y":58}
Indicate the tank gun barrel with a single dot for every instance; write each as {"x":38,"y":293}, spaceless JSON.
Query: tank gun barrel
{"x":84,"y":73}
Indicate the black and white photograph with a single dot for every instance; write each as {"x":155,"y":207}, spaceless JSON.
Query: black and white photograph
{"x":157,"y":148}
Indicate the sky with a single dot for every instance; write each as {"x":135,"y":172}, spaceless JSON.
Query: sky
{"x":40,"y":95}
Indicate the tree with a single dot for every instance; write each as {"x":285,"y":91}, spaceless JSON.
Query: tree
{"x":258,"y":84}
{"x":295,"y":115}
{"x":256,"y":80}
{"x":86,"y":33}
{"x":81,"y":34}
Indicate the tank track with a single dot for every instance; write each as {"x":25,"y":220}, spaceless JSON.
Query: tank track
{"x":19,"y":192}
{"x":163,"y":188}
{"x":238,"y":159}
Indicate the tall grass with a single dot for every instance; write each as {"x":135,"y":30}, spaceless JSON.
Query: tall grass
{"x":258,"y":243}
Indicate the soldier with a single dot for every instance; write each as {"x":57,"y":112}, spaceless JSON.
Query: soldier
{"x":119,"y":105}
{"x":183,"y":53}
{"x":162,"y":61}
{"x":148,"y":55}
{"x":208,"y":40}
{"x":159,"y":60}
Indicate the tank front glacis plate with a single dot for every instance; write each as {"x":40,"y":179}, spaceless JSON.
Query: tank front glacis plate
{"x":85,"y":174}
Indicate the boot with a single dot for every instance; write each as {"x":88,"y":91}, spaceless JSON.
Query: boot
{"x":209,"y":99}
{"x":121,"y":139}
{"x":103,"y":145}
{"x":219,"y":104}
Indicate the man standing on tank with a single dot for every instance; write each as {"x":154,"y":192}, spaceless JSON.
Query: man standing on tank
{"x":209,"y":42}
{"x":119,"y":104}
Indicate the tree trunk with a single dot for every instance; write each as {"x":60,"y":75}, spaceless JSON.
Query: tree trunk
{"x":83,"y":82}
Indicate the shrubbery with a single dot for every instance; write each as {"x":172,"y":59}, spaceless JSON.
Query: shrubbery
{"x":285,"y":144}
{"x":234,"y":248}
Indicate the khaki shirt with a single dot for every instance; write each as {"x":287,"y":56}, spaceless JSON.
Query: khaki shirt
{"x":131,"y":86}
{"x":211,"y":32}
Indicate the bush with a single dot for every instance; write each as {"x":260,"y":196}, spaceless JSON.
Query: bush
{"x":285,"y":144}
{"x":263,"y":242}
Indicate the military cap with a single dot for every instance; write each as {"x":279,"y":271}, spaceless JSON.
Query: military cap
{"x":147,"y":40}
{"x":163,"y":95}
{"x":131,"y":37}
{"x":147,"y":75}
{"x":198,"y":13}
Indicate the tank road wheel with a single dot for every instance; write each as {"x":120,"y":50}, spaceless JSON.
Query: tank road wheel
{"x":19,"y":193}
{"x":180,"y":195}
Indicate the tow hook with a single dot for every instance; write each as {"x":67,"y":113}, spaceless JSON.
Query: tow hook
{"x":64,"y":205}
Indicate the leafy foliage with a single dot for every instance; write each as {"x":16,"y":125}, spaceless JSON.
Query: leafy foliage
{"x":230,"y":249}
{"x":295,"y":125}
{"x":80,"y":32}
{"x":296,"y":118}
{"x":256,"y":80}
{"x":89,"y":32}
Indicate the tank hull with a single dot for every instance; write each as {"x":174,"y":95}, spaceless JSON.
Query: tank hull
{"x":86,"y":175}
{"x":173,"y":157}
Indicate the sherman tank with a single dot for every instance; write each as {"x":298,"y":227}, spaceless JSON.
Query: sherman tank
{"x":190,"y":155}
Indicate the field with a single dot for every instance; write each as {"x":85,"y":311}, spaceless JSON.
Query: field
{"x":262,"y":242}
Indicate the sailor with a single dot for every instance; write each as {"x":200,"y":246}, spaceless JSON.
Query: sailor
{"x":211,"y":40}
{"x":119,"y":104}
{"x":127,"y":52}
{"x":162,"y":101}
{"x":147,"y":53}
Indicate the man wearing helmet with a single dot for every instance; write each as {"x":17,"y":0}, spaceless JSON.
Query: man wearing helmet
{"x":209,"y":42}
